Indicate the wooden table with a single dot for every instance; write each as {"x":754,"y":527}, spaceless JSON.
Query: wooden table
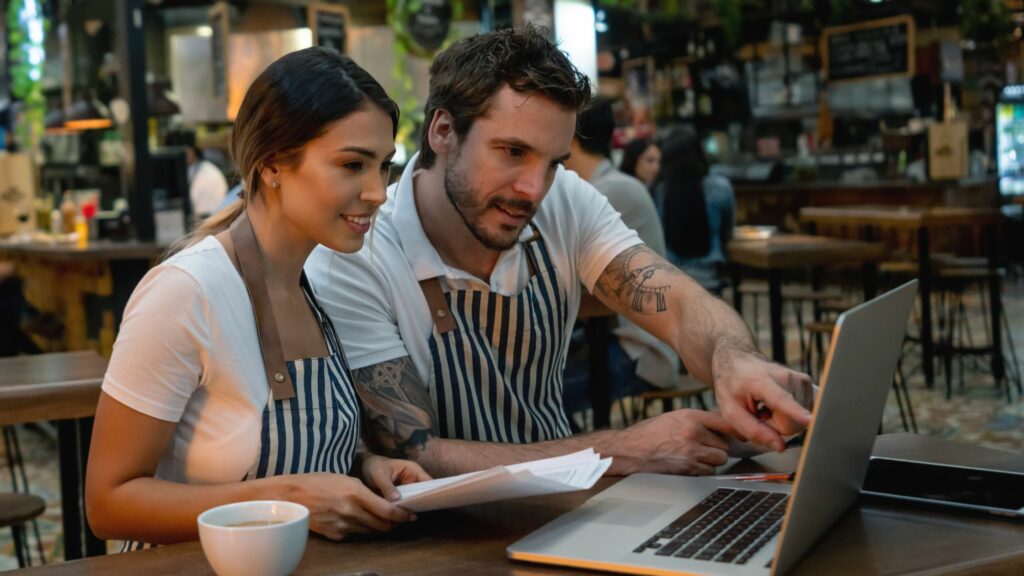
{"x":64,"y":387}
{"x":87,"y":288}
{"x":788,"y":251}
{"x":924,"y":221}
{"x":874,"y":537}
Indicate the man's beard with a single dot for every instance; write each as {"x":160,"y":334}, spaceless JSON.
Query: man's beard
{"x":463,"y":198}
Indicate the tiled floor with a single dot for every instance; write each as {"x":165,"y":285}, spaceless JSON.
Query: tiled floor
{"x":978,"y":413}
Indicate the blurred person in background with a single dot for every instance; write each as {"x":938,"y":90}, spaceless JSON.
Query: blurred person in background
{"x":699,"y":212}
{"x":641,"y":159}
{"x":637,"y":360}
{"x":207,"y":187}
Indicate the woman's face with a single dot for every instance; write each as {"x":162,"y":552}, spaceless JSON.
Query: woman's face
{"x":331,"y":195}
{"x":648,"y":164}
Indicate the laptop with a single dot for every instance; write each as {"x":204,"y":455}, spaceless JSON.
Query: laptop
{"x":661,"y":524}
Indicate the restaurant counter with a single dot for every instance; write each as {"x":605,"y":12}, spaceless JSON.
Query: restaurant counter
{"x":83,"y":288}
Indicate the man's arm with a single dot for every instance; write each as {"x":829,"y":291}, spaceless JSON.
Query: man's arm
{"x":713,"y":341}
{"x":399,"y":422}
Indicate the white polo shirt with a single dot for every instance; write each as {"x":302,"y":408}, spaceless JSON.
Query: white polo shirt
{"x":374,"y":296}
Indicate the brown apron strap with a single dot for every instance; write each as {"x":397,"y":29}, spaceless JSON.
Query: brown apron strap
{"x":250,"y":264}
{"x":439,"y":309}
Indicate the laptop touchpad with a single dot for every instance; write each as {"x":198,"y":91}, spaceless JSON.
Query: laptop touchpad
{"x":620,"y":512}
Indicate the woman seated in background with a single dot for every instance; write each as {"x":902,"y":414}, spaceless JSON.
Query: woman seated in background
{"x":227,"y":381}
{"x":641,"y":159}
{"x":698,"y":212}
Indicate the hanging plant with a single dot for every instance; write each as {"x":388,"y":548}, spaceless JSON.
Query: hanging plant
{"x":422,"y":29}
{"x":731,"y":15}
{"x":987,"y":22}
{"x":27,"y":29}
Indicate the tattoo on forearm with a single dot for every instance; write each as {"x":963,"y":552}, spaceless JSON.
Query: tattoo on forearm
{"x":637,"y":279}
{"x":398,"y":412}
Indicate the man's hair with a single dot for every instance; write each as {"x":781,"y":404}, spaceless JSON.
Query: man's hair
{"x":465,"y":77}
{"x":594,"y":127}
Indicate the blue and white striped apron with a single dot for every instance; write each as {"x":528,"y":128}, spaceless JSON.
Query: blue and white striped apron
{"x":498,"y":359}
{"x":317,"y":430}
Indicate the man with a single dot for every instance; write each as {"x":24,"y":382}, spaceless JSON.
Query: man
{"x":455,"y":317}
{"x":207,"y":187}
{"x":637,"y":361}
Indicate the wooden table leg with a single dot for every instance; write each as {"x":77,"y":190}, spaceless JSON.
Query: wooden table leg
{"x":925,"y":278}
{"x":775,"y":307}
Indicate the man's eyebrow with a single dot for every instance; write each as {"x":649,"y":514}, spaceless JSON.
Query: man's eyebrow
{"x":517,"y":143}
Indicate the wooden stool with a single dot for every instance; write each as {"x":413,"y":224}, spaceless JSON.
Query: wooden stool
{"x":15,"y":509}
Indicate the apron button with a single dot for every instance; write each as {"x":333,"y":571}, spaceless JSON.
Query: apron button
{"x":278,"y":377}
{"x":441,"y":314}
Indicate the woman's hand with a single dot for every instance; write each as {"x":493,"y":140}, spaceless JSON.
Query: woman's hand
{"x":383,"y":474}
{"x":341,"y":505}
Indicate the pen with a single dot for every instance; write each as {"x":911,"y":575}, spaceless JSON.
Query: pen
{"x":758,"y":476}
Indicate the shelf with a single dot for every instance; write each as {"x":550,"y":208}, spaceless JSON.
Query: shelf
{"x":761,"y":50}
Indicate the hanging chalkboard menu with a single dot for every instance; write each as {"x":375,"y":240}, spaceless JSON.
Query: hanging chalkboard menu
{"x":329,"y":23}
{"x":869,"y":49}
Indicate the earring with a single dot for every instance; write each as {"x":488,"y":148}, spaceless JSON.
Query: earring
{"x":275,"y":184}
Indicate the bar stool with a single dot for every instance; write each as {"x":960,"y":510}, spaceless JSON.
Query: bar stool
{"x":19,"y":507}
{"x":823,"y":329}
{"x":16,"y":509}
{"x":955,"y":277}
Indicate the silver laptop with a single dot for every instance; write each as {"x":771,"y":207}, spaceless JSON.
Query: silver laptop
{"x":660,"y":524}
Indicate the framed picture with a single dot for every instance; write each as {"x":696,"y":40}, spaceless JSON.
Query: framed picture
{"x":329,"y":23}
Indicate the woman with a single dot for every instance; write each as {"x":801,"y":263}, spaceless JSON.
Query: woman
{"x":698,"y":214}
{"x":641,"y":159}
{"x":198,"y":395}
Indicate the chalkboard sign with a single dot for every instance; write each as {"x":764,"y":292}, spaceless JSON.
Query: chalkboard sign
{"x":329,"y":23}
{"x":871,"y":49}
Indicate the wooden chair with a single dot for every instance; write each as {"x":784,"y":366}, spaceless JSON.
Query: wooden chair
{"x":687,"y":388}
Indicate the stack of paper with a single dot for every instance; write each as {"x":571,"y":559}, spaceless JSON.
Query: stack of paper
{"x":578,"y":471}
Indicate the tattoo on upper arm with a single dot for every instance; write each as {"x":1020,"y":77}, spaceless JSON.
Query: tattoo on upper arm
{"x":398,"y":412}
{"x":637,"y":279}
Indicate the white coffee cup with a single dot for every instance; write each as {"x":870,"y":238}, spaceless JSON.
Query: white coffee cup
{"x":259,"y":538}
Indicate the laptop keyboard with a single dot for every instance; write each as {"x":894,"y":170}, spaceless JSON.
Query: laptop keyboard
{"x":727,"y":526}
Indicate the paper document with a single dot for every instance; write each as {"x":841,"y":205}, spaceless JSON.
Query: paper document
{"x":577,"y":471}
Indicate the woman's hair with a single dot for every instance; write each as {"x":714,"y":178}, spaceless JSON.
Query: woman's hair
{"x":465,"y":77}
{"x":289,"y":104}
{"x":683,"y":168}
{"x":631,"y":155}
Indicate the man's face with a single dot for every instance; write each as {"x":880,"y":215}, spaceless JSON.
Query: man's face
{"x":498,"y":174}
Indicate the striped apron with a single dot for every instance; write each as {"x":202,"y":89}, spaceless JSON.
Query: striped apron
{"x":497,"y":360}
{"x":313,"y":427}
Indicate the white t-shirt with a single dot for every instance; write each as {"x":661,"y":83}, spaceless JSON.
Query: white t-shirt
{"x":374,"y":296}
{"x":188,"y":352}
{"x":207,"y":188}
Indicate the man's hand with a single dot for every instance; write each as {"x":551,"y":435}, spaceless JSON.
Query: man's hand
{"x":689,"y":442}
{"x":762,"y":400}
